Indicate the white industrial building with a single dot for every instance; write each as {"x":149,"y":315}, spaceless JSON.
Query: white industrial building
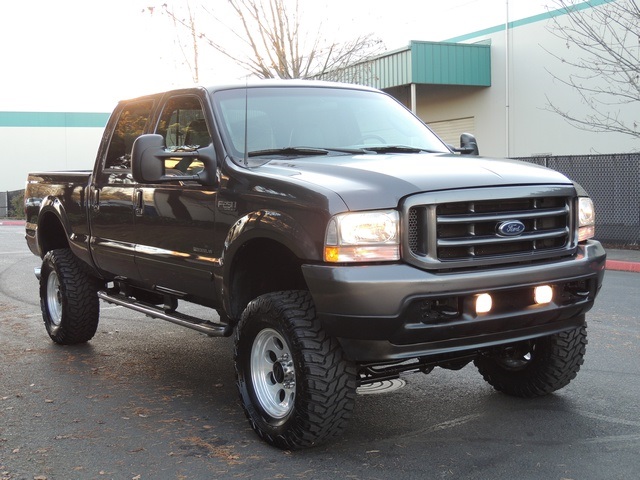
{"x":512,"y":118}
{"x":47,"y":141}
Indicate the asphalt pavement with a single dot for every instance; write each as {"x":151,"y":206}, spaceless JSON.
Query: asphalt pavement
{"x":146,"y":399}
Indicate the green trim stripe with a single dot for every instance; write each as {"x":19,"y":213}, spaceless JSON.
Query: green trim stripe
{"x":53,"y":119}
{"x":526,"y":21}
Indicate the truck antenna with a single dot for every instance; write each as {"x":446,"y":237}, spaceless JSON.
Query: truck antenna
{"x":246,"y":121}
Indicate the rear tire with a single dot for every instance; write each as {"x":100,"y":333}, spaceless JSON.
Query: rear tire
{"x":295,"y":385}
{"x":537,"y":367}
{"x":68,"y":298}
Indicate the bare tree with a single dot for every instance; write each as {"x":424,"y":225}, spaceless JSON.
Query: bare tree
{"x":187,"y":24}
{"x":603,"y":56}
{"x":270,"y":40}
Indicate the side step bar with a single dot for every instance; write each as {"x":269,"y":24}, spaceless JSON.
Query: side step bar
{"x":198,"y":324}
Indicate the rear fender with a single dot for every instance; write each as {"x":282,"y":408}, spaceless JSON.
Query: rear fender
{"x":52,"y":230}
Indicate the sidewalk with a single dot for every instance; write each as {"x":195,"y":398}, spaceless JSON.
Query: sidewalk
{"x":617,"y":259}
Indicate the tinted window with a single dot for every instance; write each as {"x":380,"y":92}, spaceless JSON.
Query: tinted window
{"x":331,"y":118}
{"x":131,"y":124}
{"x":182,"y":123}
{"x":183,"y":126}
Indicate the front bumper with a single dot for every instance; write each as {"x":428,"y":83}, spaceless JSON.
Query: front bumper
{"x":386,"y":313}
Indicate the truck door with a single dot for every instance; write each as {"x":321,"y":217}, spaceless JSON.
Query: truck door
{"x":111,"y":209}
{"x":174,"y":222}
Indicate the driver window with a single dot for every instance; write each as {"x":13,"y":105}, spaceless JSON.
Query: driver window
{"x":183,"y":127}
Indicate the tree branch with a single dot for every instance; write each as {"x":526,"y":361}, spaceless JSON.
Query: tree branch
{"x":271,"y":43}
{"x":606,"y":71}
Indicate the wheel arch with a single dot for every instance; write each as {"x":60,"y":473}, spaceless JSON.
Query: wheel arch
{"x":55,"y":231}
{"x":52,"y":233}
{"x":261,"y":265}
{"x":263,"y":252}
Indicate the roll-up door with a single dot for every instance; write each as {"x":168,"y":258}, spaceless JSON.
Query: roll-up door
{"x":450,"y":130}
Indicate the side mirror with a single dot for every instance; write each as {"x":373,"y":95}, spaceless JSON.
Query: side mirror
{"x":468,"y":145}
{"x":148,"y":156}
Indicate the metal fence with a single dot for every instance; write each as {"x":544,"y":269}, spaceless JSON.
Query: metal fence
{"x":4,"y":204}
{"x":11,"y":204}
{"x":613,"y":182}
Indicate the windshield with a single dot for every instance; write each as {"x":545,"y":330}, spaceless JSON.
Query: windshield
{"x":296,"y":120}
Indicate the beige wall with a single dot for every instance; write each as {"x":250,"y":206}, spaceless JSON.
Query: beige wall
{"x":532,"y":128}
{"x":30,"y":149}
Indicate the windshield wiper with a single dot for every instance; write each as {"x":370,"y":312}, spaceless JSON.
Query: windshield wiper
{"x":397,"y":149}
{"x":301,"y":151}
{"x":288,"y":151}
{"x":348,"y":150}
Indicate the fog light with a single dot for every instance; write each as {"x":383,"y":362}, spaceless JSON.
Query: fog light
{"x":483,"y":303}
{"x":543,"y":294}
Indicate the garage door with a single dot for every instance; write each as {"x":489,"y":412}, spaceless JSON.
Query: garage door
{"x":450,"y":130}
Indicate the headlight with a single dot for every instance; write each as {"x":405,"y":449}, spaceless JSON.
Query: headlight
{"x":363,"y":237}
{"x":586,"y":219}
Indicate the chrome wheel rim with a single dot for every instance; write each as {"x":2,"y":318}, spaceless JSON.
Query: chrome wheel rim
{"x":273,"y":374}
{"x":54,"y":299}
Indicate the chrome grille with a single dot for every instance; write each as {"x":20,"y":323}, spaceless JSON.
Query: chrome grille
{"x":456,"y":228}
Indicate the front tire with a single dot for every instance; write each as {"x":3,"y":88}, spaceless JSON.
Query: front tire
{"x":295,"y":385}
{"x":537,"y":367}
{"x":68,"y":298}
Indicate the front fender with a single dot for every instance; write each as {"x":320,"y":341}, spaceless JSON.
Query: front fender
{"x":290,"y":232}
{"x":272,"y":225}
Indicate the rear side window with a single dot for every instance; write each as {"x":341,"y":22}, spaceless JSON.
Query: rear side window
{"x":131,"y":124}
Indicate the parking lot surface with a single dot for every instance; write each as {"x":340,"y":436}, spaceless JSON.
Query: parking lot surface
{"x":147,"y":399}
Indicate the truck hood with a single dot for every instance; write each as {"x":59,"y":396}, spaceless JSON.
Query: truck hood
{"x":380,"y":181}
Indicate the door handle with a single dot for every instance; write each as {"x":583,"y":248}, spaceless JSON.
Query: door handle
{"x":96,"y":199}
{"x":139,"y":203}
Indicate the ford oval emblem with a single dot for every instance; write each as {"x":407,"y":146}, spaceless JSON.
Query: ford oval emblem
{"x":511,"y":228}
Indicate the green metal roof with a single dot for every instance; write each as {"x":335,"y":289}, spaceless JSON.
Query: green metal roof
{"x":53,"y":119}
{"x":428,"y":63}
{"x":450,"y":64}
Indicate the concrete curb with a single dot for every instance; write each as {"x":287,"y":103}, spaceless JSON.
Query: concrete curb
{"x":623,"y":266}
{"x":14,"y":223}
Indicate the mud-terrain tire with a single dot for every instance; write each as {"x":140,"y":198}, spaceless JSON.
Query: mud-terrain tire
{"x":537,"y":367}
{"x":68,"y":298}
{"x":295,"y":385}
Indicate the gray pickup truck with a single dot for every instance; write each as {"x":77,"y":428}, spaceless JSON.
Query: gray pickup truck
{"x":332,"y":233}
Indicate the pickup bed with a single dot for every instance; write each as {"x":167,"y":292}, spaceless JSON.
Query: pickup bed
{"x":332,"y":233}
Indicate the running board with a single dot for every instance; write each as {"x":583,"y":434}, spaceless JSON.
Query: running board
{"x":194,"y":323}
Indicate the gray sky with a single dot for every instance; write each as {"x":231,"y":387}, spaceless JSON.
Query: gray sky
{"x":81,"y":55}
